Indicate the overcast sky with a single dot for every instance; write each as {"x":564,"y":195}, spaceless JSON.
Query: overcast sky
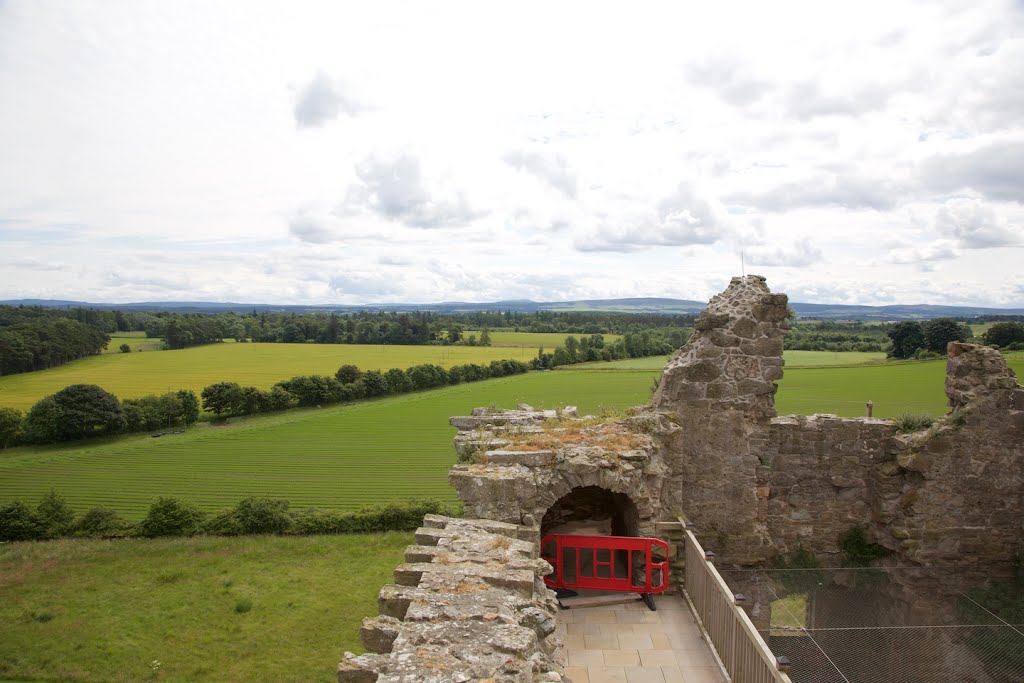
{"x":302,"y":152}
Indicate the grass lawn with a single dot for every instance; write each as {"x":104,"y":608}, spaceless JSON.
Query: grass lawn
{"x":130,"y":375}
{"x":175,"y":609}
{"x":135,"y":342}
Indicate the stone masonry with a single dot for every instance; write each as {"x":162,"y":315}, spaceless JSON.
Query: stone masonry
{"x":470,"y":601}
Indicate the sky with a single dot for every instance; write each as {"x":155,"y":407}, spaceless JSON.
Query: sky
{"x":334,"y":152}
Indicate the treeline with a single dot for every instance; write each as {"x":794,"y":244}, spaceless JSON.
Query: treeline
{"x":592,"y":348}
{"x":349,"y":383}
{"x":82,"y":411}
{"x":416,"y":328}
{"x":830,"y":335}
{"x":53,"y":518}
{"x":104,"y":321}
{"x":46,"y":343}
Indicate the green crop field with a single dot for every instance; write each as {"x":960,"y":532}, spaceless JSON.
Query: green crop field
{"x":135,"y":342}
{"x":130,"y":375}
{"x":396,"y":448}
{"x":794,"y":359}
{"x":341,"y":457}
{"x":175,"y":609}
{"x":535,"y":340}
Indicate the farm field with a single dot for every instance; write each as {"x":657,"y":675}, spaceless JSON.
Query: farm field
{"x":794,"y":359}
{"x":174,"y":609}
{"x":340,"y":457}
{"x":130,"y":375}
{"x":395,"y":448}
{"x":536,"y":340}
{"x":136,"y":342}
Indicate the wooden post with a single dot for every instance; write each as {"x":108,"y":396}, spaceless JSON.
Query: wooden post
{"x":870,"y":407}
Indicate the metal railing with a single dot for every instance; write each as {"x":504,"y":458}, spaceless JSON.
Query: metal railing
{"x":739,"y":646}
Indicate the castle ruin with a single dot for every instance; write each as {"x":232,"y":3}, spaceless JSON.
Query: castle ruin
{"x":709,"y":446}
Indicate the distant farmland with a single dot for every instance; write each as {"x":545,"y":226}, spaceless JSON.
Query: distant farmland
{"x":130,"y":375}
{"x":344,"y":457}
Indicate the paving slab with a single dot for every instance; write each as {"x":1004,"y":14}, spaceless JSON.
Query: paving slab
{"x":628,"y":643}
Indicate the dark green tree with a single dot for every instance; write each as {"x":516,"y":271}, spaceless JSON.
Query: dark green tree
{"x":10,"y":426}
{"x":907,"y":337}
{"x":374,"y":383}
{"x":42,"y":424}
{"x":347,"y":374}
{"x":940,"y":331}
{"x":1004,"y":334}
{"x":88,"y":410}
{"x":222,"y":397}
{"x":398,"y":381}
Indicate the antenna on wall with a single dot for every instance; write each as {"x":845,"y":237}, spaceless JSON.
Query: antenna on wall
{"x":743,"y":268}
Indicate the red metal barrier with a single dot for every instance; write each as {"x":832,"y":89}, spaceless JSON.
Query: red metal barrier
{"x":611,"y":563}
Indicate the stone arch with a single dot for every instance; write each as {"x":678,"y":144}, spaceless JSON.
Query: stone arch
{"x":592,"y":510}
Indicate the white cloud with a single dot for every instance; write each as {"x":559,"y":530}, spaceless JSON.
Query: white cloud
{"x":320,"y":101}
{"x":975,"y":225}
{"x":259,"y":152}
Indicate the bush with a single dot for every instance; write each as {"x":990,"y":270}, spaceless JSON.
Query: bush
{"x":906,"y":422}
{"x":857,"y":552}
{"x":10,"y":426}
{"x":54,"y":516}
{"x":101,"y":522}
{"x":124,"y":348}
{"x":263,"y":516}
{"x":18,"y":522}
{"x":171,"y":517}
{"x":347,"y":374}
{"x":398,"y":381}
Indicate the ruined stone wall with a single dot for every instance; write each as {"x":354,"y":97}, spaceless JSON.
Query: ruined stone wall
{"x":719,"y":391}
{"x":468,"y":604}
{"x":951,"y":494}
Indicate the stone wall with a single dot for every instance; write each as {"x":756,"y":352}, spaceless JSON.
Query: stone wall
{"x":468,"y":604}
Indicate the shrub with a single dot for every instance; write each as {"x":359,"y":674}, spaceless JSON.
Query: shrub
{"x":222,"y":397}
{"x":124,"y":348}
{"x":907,"y":422}
{"x":101,"y":522}
{"x":857,"y":552}
{"x":10,"y":426}
{"x":54,"y":516}
{"x":398,"y":381}
{"x":263,"y":516}
{"x":347,"y":374}
{"x":171,"y":517}
{"x":18,"y":522}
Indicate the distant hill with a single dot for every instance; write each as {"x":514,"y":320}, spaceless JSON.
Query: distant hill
{"x":635,"y":305}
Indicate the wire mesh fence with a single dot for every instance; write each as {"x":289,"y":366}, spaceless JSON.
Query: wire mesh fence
{"x":889,"y":625}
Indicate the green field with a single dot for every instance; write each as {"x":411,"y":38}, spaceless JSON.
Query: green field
{"x":344,"y":457}
{"x":136,"y":342}
{"x":130,"y":375}
{"x":794,"y":359}
{"x":103,"y":611}
{"x":535,"y":340}
{"x":341,"y":457}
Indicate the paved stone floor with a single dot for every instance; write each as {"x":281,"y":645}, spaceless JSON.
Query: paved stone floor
{"x":628,"y":643}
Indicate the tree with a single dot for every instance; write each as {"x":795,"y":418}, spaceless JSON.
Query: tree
{"x":222,"y":397}
{"x":940,"y":331}
{"x":263,"y":516}
{"x":88,"y":410}
{"x":312,"y":390}
{"x":124,"y":348}
{"x":347,"y":374}
{"x":10,"y":426}
{"x":485,"y":336}
{"x":1004,"y":334}
{"x":374,"y":383}
{"x":907,"y":337}
{"x":42,"y":424}
{"x":398,"y":381}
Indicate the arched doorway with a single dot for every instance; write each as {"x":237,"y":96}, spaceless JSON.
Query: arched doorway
{"x":593,"y":511}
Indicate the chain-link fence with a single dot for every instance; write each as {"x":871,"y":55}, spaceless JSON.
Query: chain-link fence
{"x":889,"y":625}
